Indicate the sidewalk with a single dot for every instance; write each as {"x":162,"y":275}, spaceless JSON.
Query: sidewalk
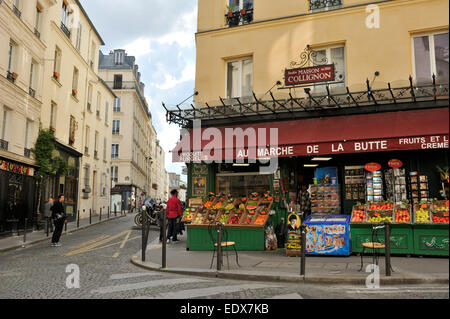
{"x":35,"y":237}
{"x":275,"y":266}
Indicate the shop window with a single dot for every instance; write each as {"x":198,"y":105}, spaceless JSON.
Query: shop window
{"x":242,"y":184}
{"x":115,"y":174}
{"x":240,"y":78}
{"x":336,"y":56}
{"x":431,"y":57}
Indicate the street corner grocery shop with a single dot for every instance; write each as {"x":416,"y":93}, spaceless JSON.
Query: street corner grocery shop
{"x":365,"y":157}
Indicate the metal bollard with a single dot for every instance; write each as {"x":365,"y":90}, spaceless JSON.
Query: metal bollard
{"x":47,"y":226}
{"x":144,"y":237}
{"x":100,"y":219}
{"x":387,"y":241}
{"x":303,"y":250}
{"x":90,"y":216}
{"x":25,"y":231}
{"x":108,"y":212}
{"x":78,"y":219}
{"x":164,"y":241}
{"x":115,"y":210}
{"x":219,"y":246}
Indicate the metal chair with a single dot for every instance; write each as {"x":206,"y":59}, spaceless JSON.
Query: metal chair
{"x":376,"y":245}
{"x":225,"y":243}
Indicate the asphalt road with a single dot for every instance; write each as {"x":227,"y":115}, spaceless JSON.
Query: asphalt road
{"x":102,"y":255}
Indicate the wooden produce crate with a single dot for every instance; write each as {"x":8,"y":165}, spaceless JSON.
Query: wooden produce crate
{"x":359,"y":214}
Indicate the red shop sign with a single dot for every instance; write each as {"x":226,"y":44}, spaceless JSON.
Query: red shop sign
{"x":314,"y":74}
{"x":372,"y":167}
{"x":395,"y":163}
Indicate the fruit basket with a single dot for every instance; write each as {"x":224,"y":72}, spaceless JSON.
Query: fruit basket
{"x":358,"y":214}
{"x":422,"y":213}
{"x":402,"y":214}
{"x":235,"y":218}
{"x":211,"y":217}
{"x":199,"y":218}
{"x":260,"y":220}
{"x":439,"y":212}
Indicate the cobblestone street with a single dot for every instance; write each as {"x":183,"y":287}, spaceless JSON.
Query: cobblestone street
{"x":103,"y":253}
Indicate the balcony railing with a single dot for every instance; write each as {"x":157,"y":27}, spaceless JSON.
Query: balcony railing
{"x":98,"y":113}
{"x":116,"y":132}
{"x":27,"y":152}
{"x":244,"y":16}
{"x":89,"y":106}
{"x":86,"y":150}
{"x":10,"y":76}
{"x":4,"y":145}
{"x":37,"y":33}
{"x":17,"y":12}
{"x":96,"y":154}
{"x":65,"y":29}
{"x":324,"y":5}
{"x":32,"y":92}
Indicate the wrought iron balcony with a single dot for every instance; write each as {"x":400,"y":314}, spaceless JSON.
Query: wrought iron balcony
{"x":27,"y":152}
{"x":98,"y":113}
{"x":89,"y":106}
{"x":244,"y":16}
{"x":17,"y":12}
{"x":4,"y":145}
{"x":323,"y":5}
{"x":10,"y":76}
{"x":37,"y":33}
{"x":86,"y":150}
{"x":32,"y":92}
{"x":96,"y":154}
{"x":65,"y":29}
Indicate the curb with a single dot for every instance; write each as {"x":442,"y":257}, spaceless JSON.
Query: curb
{"x":288,"y":279}
{"x":38,"y":241}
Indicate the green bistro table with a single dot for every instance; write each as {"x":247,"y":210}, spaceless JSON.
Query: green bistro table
{"x":247,"y":238}
{"x":402,"y":238}
{"x":431,"y":239}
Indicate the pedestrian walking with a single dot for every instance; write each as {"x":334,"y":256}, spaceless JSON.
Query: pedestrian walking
{"x":48,"y":213}
{"x":173,"y":211}
{"x":59,"y":218}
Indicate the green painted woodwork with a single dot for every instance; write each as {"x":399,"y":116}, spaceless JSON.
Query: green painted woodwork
{"x":431,"y":240}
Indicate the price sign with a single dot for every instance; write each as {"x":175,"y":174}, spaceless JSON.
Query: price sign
{"x":372,"y":167}
{"x":395,"y":163}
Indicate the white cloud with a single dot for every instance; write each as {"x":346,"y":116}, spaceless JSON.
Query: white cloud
{"x":170,"y":81}
{"x":139,"y":47}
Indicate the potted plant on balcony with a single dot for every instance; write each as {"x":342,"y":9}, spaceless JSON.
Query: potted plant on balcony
{"x":72,"y":140}
{"x":230,"y":9}
{"x":74,"y":92}
{"x":56,"y":75}
{"x":243,"y":12}
{"x":15,"y":75}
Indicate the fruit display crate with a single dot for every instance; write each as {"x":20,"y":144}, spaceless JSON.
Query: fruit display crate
{"x":431,"y":239}
{"x":247,"y":238}
{"x":402,"y":238}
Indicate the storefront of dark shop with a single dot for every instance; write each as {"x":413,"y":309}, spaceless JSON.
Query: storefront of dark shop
{"x":328,"y":139}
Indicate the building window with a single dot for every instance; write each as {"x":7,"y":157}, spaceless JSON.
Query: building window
{"x":106,"y":112}
{"x":53,"y":117}
{"x":115,"y":174}
{"x":116,"y":108}
{"x":57,"y":64}
{"x":89,"y":104}
{"x":93,"y":52}
{"x":104,"y":148}
{"x":96,"y":145}
{"x":116,"y":127}
{"x":99,"y":98}
{"x":4,"y":124}
{"x":324,"y":5}
{"x":37,"y":21}
{"x":115,"y":151}
{"x":239,"y":12}
{"x":119,"y":57}
{"x":86,"y":176}
{"x":240,"y":78}
{"x":79,"y":33}
{"x":12,"y":53}
{"x":64,"y":19}
{"x":336,"y":56}
{"x":16,"y":8}
{"x":117,"y":82}
{"x":75,"y":82}
{"x":86,"y":147}
{"x":33,"y":71}
{"x":28,"y":124}
{"x":431,"y":57}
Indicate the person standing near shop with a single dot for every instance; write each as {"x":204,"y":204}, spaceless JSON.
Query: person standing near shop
{"x":173,"y":211}
{"x":59,"y":218}
{"x":304,"y":200}
{"x":48,"y":213}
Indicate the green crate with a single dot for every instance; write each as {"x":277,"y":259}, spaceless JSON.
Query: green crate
{"x":431,"y":239}
{"x":246,"y":238}
{"x":402,"y":242}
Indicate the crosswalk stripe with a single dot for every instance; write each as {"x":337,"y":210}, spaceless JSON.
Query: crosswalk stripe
{"x":132,"y":275}
{"x":393,"y":291}
{"x":203,"y":292}
{"x":147,"y":284}
{"x":288,"y":296}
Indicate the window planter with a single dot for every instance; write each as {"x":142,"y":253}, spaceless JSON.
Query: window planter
{"x":243,"y":12}
{"x":74,"y":92}
{"x":71,"y":140}
{"x":56,"y":75}
{"x":15,"y":76}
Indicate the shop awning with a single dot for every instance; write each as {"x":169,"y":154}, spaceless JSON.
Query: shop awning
{"x":406,"y":130}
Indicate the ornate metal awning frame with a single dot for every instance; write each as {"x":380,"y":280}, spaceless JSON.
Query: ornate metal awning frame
{"x":247,"y":110}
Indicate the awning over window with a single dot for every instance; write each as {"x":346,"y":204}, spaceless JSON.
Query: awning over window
{"x":406,"y":130}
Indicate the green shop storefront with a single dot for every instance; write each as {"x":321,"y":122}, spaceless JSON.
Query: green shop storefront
{"x":417,"y":138}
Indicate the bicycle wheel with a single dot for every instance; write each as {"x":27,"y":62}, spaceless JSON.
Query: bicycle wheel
{"x":138,"y":219}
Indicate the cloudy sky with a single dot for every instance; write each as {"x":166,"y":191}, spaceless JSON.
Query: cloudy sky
{"x":160,"y":33}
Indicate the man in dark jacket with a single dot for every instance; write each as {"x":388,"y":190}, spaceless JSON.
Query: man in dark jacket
{"x":59,"y":218}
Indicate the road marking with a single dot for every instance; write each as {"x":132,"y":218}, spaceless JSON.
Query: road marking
{"x":89,"y":242}
{"x":147,"y":284}
{"x":125,"y":240}
{"x":377,"y":291}
{"x":115,"y":255}
{"x":203,"y":292}
{"x":132,"y":275}
{"x":288,"y":296}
